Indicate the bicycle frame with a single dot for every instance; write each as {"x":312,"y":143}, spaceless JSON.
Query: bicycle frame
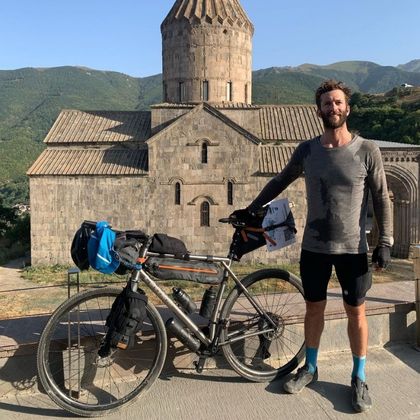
{"x":214,"y":322}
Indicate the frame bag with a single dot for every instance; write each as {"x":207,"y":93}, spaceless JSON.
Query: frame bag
{"x":174,"y":269}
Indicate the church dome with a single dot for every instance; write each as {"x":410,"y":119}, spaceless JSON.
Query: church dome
{"x":221,"y":12}
{"x":207,"y":52}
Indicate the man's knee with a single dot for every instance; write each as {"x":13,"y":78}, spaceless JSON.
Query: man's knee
{"x":355,"y":312}
{"x":316,"y":308}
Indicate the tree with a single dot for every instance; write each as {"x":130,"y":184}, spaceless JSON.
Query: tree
{"x":7,"y":219}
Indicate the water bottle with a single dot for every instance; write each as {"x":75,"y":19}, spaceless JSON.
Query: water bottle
{"x":207,"y":304}
{"x":183,"y":300}
{"x":182,"y":333}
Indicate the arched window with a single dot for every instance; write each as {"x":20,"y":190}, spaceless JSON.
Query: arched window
{"x":205,"y":90}
{"x":230,"y":193}
{"x":229,"y":91}
{"x":165,"y":92}
{"x":181,"y":91}
{"x":205,"y":214}
{"x":178,"y":193}
{"x":204,"y":153}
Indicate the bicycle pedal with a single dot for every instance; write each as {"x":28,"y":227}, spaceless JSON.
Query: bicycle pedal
{"x":199,"y":364}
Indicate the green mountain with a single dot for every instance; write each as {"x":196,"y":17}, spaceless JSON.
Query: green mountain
{"x":362,"y":76}
{"x":31,"y":99}
{"x":413,"y":65}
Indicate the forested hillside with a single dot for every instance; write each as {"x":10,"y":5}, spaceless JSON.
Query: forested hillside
{"x":394,"y":116}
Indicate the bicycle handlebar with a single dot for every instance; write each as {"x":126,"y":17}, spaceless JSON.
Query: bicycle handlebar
{"x":232,"y":221}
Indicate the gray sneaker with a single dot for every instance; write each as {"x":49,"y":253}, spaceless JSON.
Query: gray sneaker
{"x":360,"y":395}
{"x":300,"y":380}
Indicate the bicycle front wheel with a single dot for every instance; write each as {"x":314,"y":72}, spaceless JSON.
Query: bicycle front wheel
{"x":253,"y":347}
{"x":70,"y":368}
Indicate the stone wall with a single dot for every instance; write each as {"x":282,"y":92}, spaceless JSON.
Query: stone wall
{"x":60,"y":204}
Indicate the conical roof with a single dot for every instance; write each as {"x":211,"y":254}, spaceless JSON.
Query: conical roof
{"x":222,"y":12}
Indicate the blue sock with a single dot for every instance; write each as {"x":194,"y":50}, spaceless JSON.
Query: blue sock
{"x":311,"y":358}
{"x":359,"y":364}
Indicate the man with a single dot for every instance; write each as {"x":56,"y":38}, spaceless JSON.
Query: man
{"x":339,"y":169}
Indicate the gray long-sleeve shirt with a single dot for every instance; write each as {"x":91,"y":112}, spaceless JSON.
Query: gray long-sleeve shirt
{"x":337,"y":183}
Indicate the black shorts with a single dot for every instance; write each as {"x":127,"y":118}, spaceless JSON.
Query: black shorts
{"x":352,"y":271}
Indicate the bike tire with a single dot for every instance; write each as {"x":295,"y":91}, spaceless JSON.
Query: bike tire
{"x":70,"y":369}
{"x":263,"y":357}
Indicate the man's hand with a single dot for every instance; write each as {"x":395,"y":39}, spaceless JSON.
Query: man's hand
{"x":242,"y":216}
{"x":381,"y":257}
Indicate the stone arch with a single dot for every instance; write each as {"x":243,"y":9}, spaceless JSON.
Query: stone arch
{"x":404,"y":187}
{"x":174,"y":180}
{"x":208,"y":198}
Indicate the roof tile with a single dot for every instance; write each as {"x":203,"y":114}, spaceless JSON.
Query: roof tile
{"x":111,"y":161}
{"x":72,"y":127}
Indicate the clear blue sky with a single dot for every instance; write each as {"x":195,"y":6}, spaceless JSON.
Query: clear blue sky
{"x":124,"y":35}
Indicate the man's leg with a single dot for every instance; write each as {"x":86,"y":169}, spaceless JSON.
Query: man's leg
{"x":315,"y":271}
{"x":357,"y":329}
{"x":355,"y":279}
{"x":314,"y":326}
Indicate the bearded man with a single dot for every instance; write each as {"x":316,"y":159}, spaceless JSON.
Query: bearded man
{"x":340,"y":169}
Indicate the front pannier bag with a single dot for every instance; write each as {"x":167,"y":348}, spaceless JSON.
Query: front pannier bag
{"x":172,"y":269}
{"x":124,"y":320}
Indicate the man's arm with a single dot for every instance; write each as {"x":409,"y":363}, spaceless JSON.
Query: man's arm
{"x":281,"y":181}
{"x":381,"y":255}
{"x":380,"y":198}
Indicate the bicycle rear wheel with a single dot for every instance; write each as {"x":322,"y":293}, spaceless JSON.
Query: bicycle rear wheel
{"x":254,"y":348}
{"x":70,"y":369}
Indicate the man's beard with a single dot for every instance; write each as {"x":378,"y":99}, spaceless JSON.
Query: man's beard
{"x":330,"y":122}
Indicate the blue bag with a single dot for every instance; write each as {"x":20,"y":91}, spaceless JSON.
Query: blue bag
{"x":100,"y":249}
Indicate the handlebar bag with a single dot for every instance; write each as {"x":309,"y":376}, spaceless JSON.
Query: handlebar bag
{"x":174,"y":269}
{"x":249,"y":238}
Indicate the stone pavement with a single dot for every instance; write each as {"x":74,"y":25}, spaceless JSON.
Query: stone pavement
{"x":393,"y":378}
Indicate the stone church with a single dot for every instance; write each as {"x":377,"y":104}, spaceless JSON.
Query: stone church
{"x":203,"y":152}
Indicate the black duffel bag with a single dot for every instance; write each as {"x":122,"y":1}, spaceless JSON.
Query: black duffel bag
{"x":174,"y":269}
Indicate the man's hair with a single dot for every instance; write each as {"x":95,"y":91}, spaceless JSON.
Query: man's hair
{"x":330,"y":85}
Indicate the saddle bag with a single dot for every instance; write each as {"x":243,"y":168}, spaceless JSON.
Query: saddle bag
{"x":174,"y":269}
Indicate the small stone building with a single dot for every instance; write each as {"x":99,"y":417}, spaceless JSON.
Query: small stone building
{"x":193,"y":159}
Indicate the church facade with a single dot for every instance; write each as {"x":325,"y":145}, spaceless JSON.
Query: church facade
{"x":205,"y":151}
